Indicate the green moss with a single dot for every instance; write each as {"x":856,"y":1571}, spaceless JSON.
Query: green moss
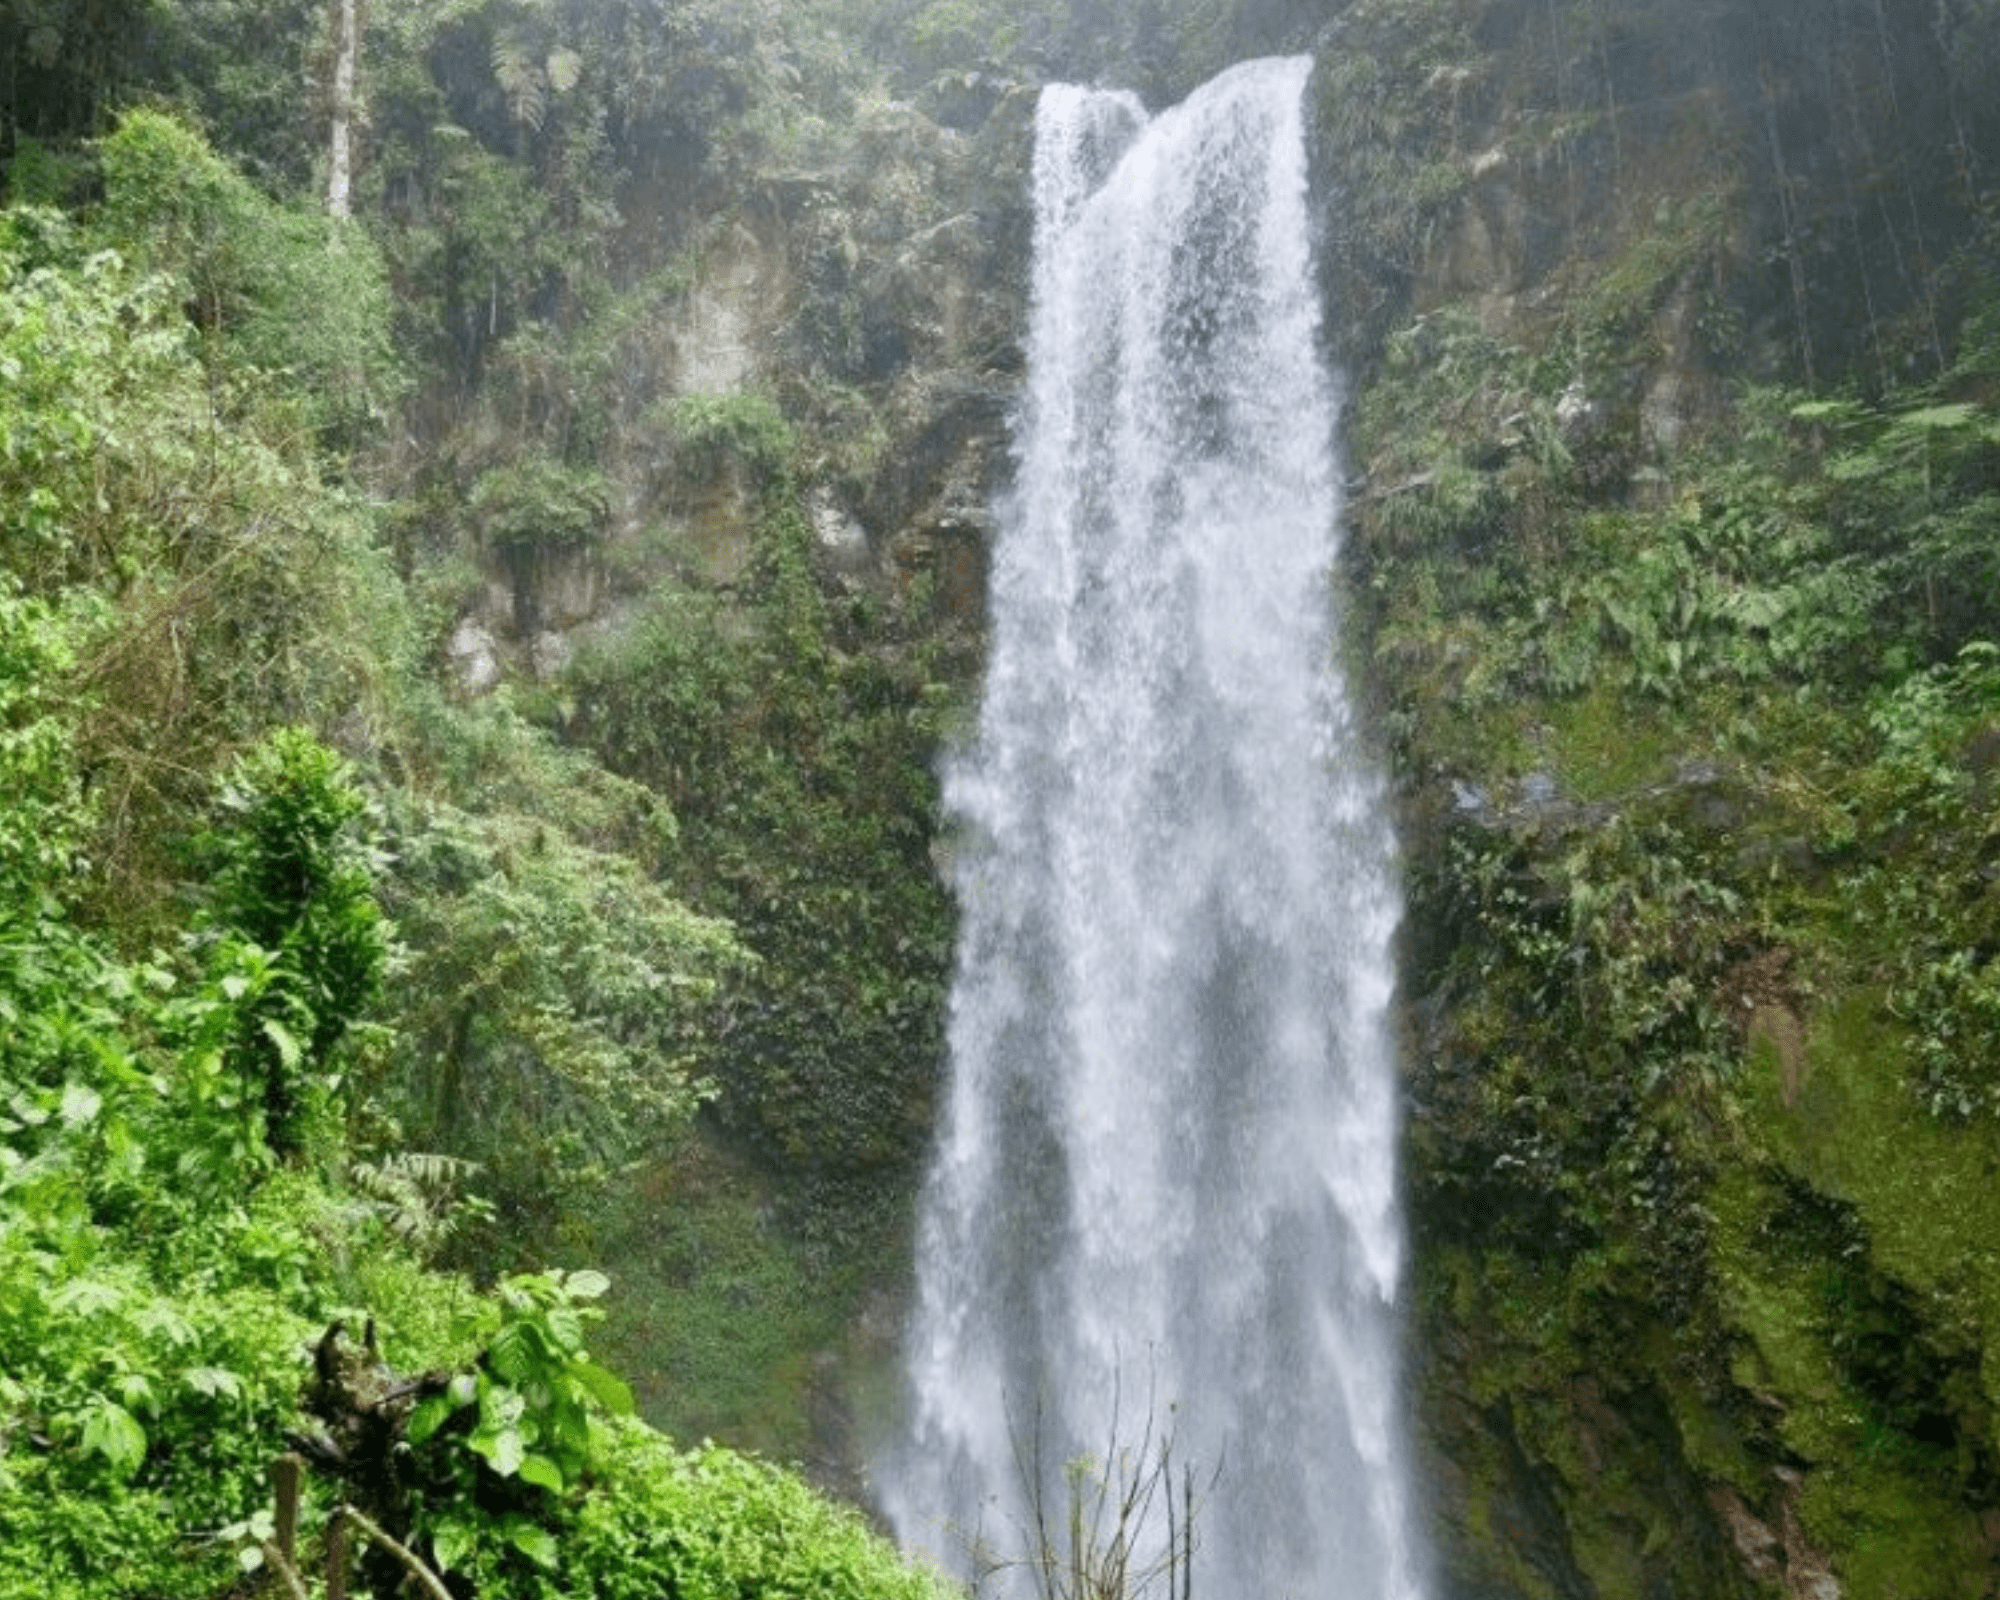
{"x":1897,"y":1539}
{"x":1608,"y":1550}
{"x":1602,"y":747}
{"x":1710,"y":1436}
{"x":719,"y":1313}
{"x":1858,"y":1271}
{"x":1770,"y":1300}
{"x":1921,"y":1187}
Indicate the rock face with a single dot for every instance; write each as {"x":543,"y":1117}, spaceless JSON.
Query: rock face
{"x":1561,"y":241}
{"x":877,"y":300}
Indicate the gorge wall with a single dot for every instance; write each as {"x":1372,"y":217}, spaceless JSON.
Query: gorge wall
{"x":1676,"y":1108}
{"x":1663,"y":599}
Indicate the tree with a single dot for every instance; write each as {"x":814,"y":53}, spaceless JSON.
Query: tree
{"x":295,"y":879}
{"x":346,"y":70}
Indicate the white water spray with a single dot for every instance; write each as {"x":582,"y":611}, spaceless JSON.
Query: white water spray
{"x":1164,"y":1190}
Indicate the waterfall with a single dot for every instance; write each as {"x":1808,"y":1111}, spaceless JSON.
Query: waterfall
{"x":1163,"y":1199}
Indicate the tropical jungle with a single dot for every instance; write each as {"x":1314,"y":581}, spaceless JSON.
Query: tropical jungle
{"x":495,"y":503}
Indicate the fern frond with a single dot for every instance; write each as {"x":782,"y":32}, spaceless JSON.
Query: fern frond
{"x":414,"y":1192}
{"x":520,"y":79}
{"x":565,"y":67}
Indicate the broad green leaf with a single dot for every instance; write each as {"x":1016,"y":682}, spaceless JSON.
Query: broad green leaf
{"x":586,"y":1285}
{"x":165,"y":1322}
{"x":537,"y":1544}
{"x":135,"y":1390}
{"x":500,"y":1407}
{"x":451,"y":1542}
{"x":566,"y":1427}
{"x":504,"y":1450}
{"x":80,"y":1104}
{"x":289,"y":1051}
{"x":565,"y":1328}
{"x":429,"y":1416}
{"x":605,"y":1386}
{"x":88,"y":1297}
{"x":109,"y":1430}
{"x":213,"y":1381}
{"x":516,"y":1352}
{"x":539,"y":1469}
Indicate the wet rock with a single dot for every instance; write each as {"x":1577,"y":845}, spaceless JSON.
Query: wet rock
{"x":549,"y":654}
{"x":475,"y":657}
{"x":842,"y":540}
{"x":1757,"y":1546}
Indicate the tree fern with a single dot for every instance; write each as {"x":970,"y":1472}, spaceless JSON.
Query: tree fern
{"x":565,"y":67}
{"x":520,"y":78}
{"x":416,"y":1193}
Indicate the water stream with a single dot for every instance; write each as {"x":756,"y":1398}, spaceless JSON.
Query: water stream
{"x":1163,"y":1200}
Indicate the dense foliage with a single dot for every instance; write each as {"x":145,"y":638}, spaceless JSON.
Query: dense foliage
{"x":223,"y":768}
{"x":1689,"y":673}
{"x":461,"y":390}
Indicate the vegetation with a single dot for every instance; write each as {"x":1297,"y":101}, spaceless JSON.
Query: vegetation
{"x":556,"y":1012}
{"x":1691,"y":722}
{"x":332,"y":989}
{"x":224,"y":771}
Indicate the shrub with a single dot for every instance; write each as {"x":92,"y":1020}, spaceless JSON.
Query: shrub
{"x":294,"y":904}
{"x":711,"y":431}
{"x":541,"y":504}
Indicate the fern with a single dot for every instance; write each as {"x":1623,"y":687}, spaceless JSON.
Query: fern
{"x":520,"y":79}
{"x":565,"y":67}
{"x":415,"y":1193}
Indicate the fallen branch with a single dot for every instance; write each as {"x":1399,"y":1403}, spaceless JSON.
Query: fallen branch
{"x":402,"y":1552}
{"x":280,"y":1564}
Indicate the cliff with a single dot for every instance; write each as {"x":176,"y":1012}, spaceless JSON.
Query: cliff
{"x":1670,"y":438}
{"x":1659,"y":317}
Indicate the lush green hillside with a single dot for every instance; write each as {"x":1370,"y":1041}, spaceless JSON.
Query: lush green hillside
{"x":328,"y":995}
{"x":1679,"y":472}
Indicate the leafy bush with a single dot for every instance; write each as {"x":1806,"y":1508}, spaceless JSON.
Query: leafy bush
{"x":541,"y":504}
{"x":41,"y":792}
{"x":156,"y":1300}
{"x":553,"y":985}
{"x":713,"y":1525}
{"x":280,"y":291}
{"x":1921,"y":824}
{"x":208,"y":579}
{"x":294,"y":884}
{"x":711,"y":431}
{"x":90,"y":351}
{"x":527,"y":1410}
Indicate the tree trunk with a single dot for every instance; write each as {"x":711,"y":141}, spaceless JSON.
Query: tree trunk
{"x":346,"y":65}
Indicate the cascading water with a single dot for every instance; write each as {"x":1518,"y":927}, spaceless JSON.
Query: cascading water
{"x":1163,"y":1199}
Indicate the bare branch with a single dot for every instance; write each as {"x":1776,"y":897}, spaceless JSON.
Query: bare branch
{"x":431,"y":1582}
